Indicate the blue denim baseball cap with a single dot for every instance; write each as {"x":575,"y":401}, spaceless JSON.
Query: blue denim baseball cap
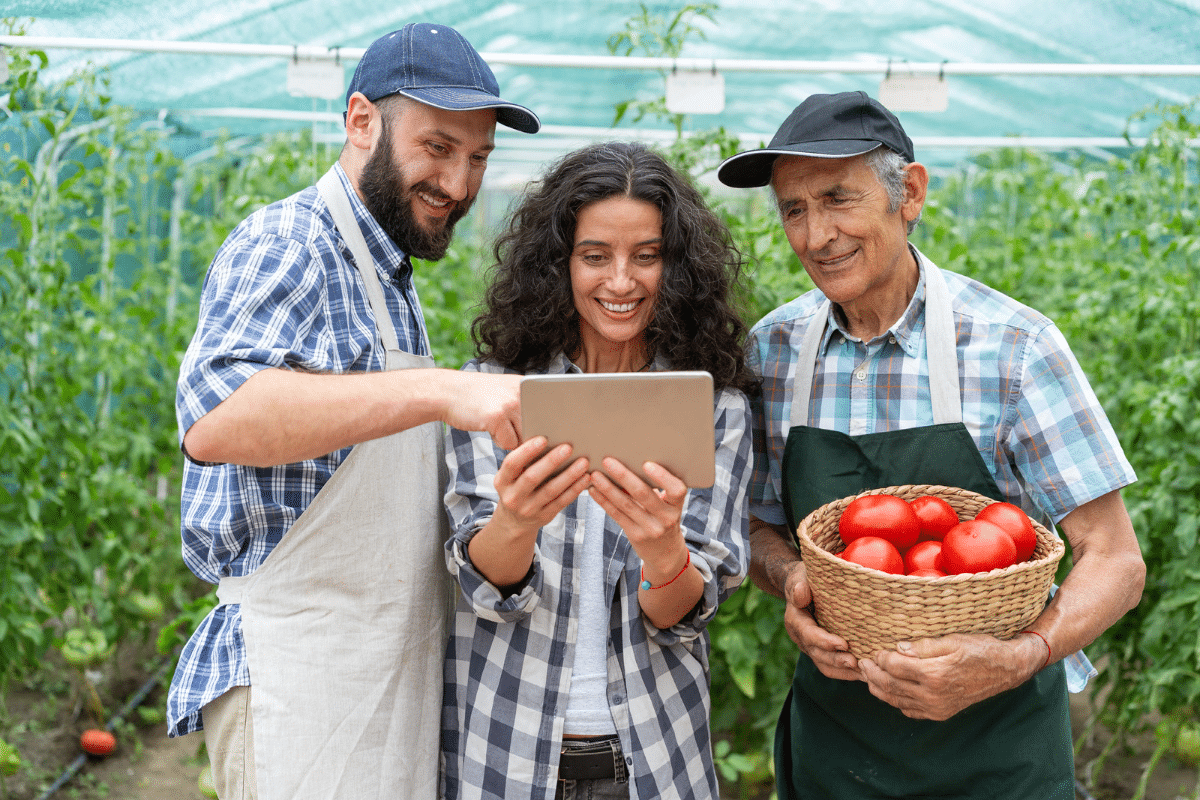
{"x":839,"y":125}
{"x":435,"y":65}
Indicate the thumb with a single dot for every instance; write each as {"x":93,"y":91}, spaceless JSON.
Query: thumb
{"x":925,"y":648}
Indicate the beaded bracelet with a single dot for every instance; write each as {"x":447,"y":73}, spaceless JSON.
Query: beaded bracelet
{"x":1048,"y":650}
{"x":646,"y":584}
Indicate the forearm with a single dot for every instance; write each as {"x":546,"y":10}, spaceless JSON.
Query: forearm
{"x":1106,"y":578}
{"x":280,"y":416}
{"x":503,"y":554}
{"x":673,"y":593}
{"x":771,"y":556}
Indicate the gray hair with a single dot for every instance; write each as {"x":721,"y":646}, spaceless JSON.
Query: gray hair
{"x":888,"y":167}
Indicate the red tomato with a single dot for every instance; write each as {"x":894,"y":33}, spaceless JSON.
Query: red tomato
{"x":927,"y":573}
{"x":883,"y":515}
{"x":935,"y":515}
{"x":923,"y":555}
{"x":876,"y":553}
{"x":97,"y":742}
{"x":1013,"y":521}
{"x":977,"y":546}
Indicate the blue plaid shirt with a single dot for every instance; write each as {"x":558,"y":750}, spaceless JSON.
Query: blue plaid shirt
{"x":282,"y":291}
{"x":1026,"y":402}
{"x":508,"y":666}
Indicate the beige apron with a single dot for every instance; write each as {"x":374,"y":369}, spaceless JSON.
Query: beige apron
{"x":345,"y":622}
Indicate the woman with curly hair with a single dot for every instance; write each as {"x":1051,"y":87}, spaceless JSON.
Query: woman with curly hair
{"x":578,"y":663}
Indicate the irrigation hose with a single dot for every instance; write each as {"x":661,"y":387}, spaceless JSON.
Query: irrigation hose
{"x":134,"y":701}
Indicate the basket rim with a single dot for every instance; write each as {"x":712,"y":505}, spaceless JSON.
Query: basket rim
{"x":1055,"y":552}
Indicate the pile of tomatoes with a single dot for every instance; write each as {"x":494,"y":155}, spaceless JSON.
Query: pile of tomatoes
{"x":925,"y":537}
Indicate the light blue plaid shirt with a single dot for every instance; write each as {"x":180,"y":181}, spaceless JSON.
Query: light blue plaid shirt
{"x":508,"y":666}
{"x":282,"y":291}
{"x":1026,"y":402}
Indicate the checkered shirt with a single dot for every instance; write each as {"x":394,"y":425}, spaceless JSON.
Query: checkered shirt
{"x":508,"y":666}
{"x":1025,"y":400}
{"x":282,"y":291}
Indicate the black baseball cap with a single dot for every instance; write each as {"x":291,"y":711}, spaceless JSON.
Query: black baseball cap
{"x":435,"y":65}
{"x":823,"y":126}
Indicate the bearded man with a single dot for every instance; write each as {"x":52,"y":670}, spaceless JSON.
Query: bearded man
{"x":310,"y":415}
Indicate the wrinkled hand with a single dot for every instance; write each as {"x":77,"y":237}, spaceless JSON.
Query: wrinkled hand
{"x":937,"y":678}
{"x":829,"y":652}
{"x":486,"y":402}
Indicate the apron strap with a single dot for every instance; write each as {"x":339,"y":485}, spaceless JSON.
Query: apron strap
{"x":335,"y":197}
{"x":231,"y":589}
{"x":940,"y":345}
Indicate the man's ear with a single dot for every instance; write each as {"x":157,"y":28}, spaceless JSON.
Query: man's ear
{"x":916,"y":184}
{"x":362,"y":121}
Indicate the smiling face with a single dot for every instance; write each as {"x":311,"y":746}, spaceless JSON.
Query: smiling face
{"x":616,"y":269}
{"x":836,"y":216}
{"x":424,"y":172}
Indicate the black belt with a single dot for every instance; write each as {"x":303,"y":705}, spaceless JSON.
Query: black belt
{"x":594,"y":761}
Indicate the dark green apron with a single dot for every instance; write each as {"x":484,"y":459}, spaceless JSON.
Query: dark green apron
{"x":834,"y":739}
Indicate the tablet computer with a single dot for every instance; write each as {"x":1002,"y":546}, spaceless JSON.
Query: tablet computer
{"x":635,"y":417}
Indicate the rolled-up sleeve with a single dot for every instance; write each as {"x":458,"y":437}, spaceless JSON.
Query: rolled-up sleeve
{"x":715,"y":521}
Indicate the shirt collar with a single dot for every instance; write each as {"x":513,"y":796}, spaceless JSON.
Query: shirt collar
{"x":905,"y":330}
{"x":390,"y":260}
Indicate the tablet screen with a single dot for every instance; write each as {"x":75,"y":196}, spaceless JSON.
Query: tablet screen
{"x":635,"y":417}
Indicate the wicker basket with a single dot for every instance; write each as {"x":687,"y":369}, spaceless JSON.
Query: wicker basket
{"x":873,"y":610}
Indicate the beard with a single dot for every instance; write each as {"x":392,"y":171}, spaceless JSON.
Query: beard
{"x":390,"y":202}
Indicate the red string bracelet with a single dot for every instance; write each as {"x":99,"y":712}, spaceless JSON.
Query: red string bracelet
{"x":646,"y":584}
{"x":1048,"y":651}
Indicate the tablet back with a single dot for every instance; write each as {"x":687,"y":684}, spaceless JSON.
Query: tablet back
{"x":664,"y":417}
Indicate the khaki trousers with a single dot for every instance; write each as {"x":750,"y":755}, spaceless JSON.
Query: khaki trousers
{"x":229,"y":737}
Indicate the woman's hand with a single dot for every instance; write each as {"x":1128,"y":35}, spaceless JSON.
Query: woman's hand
{"x":528,"y":499}
{"x":649,"y":516}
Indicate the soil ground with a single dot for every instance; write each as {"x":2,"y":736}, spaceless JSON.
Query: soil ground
{"x":44,"y":725}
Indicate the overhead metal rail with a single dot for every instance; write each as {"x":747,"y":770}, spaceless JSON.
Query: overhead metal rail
{"x":319,"y":53}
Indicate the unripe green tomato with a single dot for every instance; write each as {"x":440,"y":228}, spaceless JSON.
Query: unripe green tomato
{"x":83,"y":648}
{"x":146,"y":605}
{"x":10,"y":759}
{"x":205,"y":782}
{"x":1187,"y":744}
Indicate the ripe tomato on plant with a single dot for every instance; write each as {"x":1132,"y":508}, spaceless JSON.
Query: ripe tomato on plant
{"x":876,"y":553}
{"x":977,"y":546}
{"x":1013,"y":521}
{"x":883,"y":515}
{"x":97,"y":742}
{"x":923,"y":555}
{"x":935,"y":515}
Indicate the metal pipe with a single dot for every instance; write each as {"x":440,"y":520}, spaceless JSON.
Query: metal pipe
{"x":318,"y":52}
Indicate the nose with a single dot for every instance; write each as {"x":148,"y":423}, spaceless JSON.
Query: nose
{"x":455,"y":180}
{"x":620,"y":279}
{"x":820,"y":229}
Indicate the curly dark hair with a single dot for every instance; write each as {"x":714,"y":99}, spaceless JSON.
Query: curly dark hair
{"x":529,"y":312}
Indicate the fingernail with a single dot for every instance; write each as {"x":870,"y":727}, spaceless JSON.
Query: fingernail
{"x":904,"y":647}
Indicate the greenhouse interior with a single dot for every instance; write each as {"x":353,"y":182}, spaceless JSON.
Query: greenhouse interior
{"x":1062,"y":143}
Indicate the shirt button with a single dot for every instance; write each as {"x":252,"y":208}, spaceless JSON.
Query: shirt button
{"x":629,"y":760}
{"x":892,"y":339}
{"x":617,"y":700}
{"x":861,"y":374}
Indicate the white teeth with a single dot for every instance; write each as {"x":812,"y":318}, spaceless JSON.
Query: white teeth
{"x":434,"y":201}
{"x":619,"y":308}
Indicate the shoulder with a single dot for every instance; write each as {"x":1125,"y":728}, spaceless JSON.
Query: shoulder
{"x":795,"y":313}
{"x":985,"y":306}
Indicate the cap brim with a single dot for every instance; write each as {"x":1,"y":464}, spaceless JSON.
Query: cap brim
{"x":753,"y":167}
{"x":508,"y":114}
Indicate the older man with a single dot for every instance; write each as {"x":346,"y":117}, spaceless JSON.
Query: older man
{"x":311,"y":416}
{"x":895,"y":372}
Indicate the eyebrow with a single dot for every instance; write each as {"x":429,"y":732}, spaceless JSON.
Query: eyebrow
{"x":836,"y":190}
{"x":598,"y":243}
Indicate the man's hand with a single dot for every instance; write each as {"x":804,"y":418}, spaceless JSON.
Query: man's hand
{"x":937,"y":678}
{"x":486,"y":402}
{"x":776,"y":568}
